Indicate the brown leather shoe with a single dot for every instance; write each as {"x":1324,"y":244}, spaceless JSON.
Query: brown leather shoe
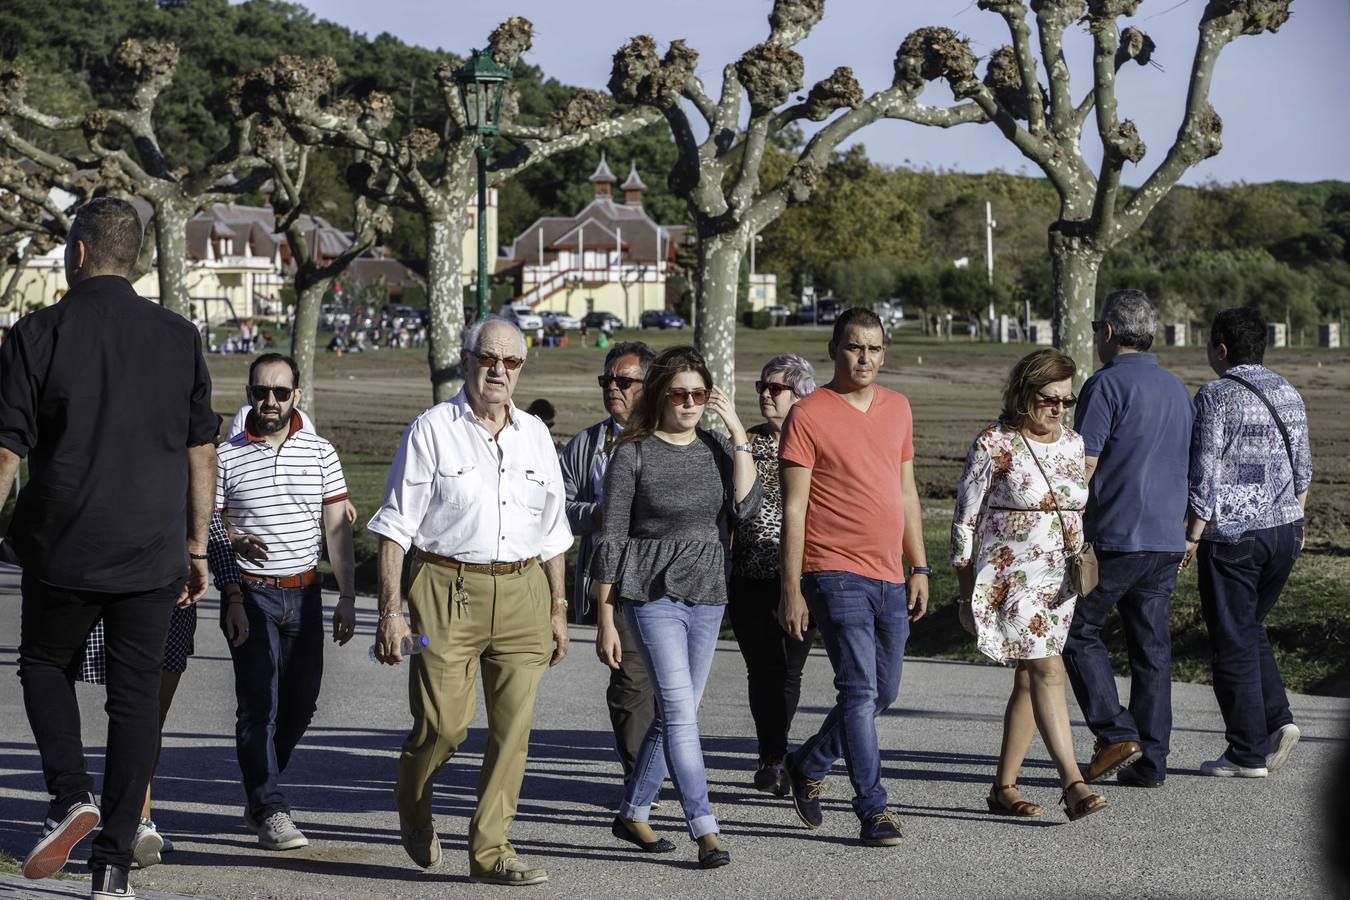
{"x":1109,"y":759}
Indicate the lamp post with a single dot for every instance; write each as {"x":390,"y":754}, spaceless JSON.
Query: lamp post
{"x":481,"y":85}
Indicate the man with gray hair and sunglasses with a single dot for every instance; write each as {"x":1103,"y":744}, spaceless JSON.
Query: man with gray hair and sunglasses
{"x":475,"y":494}
{"x":584,"y":462}
{"x":1135,"y":419}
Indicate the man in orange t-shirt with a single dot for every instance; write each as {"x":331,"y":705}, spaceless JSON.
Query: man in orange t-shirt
{"x":850,"y":510}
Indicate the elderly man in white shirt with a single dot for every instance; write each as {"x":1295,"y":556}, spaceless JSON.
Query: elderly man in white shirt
{"x":476,"y":489}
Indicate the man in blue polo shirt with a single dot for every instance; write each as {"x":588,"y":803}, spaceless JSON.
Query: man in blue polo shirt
{"x":1135,"y":419}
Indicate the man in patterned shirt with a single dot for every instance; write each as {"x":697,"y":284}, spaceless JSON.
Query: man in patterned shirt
{"x":284,"y":486}
{"x":1250,"y":471}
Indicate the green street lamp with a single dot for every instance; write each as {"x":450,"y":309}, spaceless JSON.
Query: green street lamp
{"x":481,"y":85}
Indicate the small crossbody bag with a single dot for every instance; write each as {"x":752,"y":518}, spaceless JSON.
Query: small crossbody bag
{"x":1083,"y":564}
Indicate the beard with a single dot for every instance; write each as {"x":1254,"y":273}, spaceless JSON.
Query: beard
{"x":264,"y":427}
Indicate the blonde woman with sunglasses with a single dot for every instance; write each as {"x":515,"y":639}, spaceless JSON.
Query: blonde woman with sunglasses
{"x":672,"y":493}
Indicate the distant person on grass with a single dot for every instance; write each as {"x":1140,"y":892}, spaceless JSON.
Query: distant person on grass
{"x":283,"y":486}
{"x":475,"y":492}
{"x":1135,"y":421}
{"x":584,"y":463}
{"x":107,"y":396}
{"x":1251,"y":467}
{"x":850,"y":514}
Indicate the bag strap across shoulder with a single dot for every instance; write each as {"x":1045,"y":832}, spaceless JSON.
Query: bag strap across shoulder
{"x":1063,"y":532}
{"x":1279,"y":423}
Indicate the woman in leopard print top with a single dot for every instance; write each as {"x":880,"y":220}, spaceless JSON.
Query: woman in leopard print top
{"x":773,"y":660}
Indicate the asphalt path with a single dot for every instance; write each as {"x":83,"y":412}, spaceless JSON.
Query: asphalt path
{"x":1196,"y":837}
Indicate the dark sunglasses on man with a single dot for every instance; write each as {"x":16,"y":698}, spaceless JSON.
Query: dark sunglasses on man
{"x":488,"y":361}
{"x":623,"y":381}
{"x":259,"y":392}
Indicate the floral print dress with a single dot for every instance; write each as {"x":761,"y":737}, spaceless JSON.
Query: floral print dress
{"x":1005,"y":520}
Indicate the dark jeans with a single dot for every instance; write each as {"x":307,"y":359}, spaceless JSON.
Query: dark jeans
{"x":55,"y":623}
{"x":277,"y":673}
{"x":864,"y":624}
{"x":1140,"y":586}
{"x":1239,"y":585}
{"x":773,"y":661}
{"x":631,"y":702}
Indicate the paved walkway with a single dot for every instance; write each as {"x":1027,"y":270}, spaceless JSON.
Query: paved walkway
{"x":1197,"y":837}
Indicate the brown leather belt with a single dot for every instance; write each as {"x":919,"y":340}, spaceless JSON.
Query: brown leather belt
{"x":302,"y":579}
{"x":492,"y":568}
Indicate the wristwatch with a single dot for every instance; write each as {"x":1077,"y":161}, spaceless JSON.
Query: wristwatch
{"x":921,"y":570}
{"x":561,"y":602}
{"x":747,"y":447}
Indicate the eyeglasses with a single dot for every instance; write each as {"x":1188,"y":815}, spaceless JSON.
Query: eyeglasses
{"x":259,"y":392}
{"x":1046,"y":402}
{"x":623,"y":381}
{"x":489,"y":361}
{"x":773,"y":387}
{"x":679,"y":396}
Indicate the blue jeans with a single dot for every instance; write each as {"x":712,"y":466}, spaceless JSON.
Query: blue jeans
{"x":677,"y":640}
{"x":1140,"y":586}
{"x":1239,"y":585}
{"x":864,"y":623}
{"x":277,"y":673}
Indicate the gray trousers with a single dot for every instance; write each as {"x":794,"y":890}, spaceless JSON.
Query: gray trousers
{"x":631,"y":702}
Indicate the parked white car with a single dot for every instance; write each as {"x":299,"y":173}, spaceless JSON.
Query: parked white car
{"x":525,"y":318}
{"x":561,"y":320}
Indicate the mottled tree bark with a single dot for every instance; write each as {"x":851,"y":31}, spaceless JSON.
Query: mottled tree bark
{"x":719,"y":267}
{"x":171,"y":254}
{"x":445,"y":299}
{"x":309,"y":294}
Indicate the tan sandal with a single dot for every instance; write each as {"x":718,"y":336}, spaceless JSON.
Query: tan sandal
{"x":1084,"y":807}
{"x":1024,"y":809}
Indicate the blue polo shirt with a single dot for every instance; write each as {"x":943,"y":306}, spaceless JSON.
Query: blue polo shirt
{"x":1135,"y":417}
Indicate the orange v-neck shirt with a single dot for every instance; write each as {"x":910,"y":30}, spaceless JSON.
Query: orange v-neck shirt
{"x":854,"y":517}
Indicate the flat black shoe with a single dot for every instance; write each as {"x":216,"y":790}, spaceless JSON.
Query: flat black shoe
{"x":1131,"y":777}
{"x":621,"y":831}
{"x":714,"y":860}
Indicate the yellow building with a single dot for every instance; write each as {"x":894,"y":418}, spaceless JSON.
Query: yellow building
{"x":609,"y":257}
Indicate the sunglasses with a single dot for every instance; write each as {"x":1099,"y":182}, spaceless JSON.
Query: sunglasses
{"x":259,"y":392}
{"x":623,"y":381}
{"x":489,"y":361}
{"x":773,"y":387}
{"x":678,"y":396}
{"x":1047,"y":402}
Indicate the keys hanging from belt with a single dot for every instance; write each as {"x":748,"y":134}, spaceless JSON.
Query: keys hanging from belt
{"x":460,"y":595}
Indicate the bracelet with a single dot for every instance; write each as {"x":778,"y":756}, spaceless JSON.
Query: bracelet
{"x":561,"y":602}
{"x":390,"y":615}
{"x":192,"y":555}
{"x":926,"y":570}
{"x":744,"y":448}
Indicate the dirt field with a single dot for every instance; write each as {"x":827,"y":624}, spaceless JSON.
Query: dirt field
{"x":365,"y":401}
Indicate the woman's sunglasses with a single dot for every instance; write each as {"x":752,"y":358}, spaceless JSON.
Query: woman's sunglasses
{"x":259,"y":393}
{"x":623,"y":381}
{"x":679,"y":396}
{"x":773,"y":387}
{"x":1046,"y":402}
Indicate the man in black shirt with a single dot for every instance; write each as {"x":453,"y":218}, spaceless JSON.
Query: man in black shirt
{"x":107,"y":396}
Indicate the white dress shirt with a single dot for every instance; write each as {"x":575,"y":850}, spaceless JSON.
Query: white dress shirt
{"x":455,"y":491}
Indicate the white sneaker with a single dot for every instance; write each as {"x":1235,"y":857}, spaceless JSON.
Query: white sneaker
{"x":278,"y":832}
{"x":1223,"y":767}
{"x":1281,"y":744}
{"x":146,"y":845}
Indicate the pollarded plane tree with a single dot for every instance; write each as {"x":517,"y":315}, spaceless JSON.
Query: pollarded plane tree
{"x":718,"y":173}
{"x":1046,"y":123}
{"x":436,"y":174}
{"x":124,"y":148}
{"x":32,"y":222}
{"x":288,"y":163}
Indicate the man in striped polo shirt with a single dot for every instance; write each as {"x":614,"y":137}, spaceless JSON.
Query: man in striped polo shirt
{"x":283,"y":485}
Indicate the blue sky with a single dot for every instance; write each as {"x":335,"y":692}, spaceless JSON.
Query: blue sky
{"x":1283,"y":97}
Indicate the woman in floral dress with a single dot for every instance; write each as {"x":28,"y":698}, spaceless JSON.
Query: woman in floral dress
{"x":1018,"y":518}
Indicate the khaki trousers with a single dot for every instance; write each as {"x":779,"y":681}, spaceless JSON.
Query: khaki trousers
{"x":504,"y":629}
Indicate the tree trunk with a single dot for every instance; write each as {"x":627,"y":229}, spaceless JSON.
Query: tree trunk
{"x":445,"y":298}
{"x":304,"y":334}
{"x":171,"y":252}
{"x":719,"y":263}
{"x":1074,"y":266}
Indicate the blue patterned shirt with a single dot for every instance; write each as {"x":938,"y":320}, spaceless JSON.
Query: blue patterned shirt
{"x":1240,"y":477}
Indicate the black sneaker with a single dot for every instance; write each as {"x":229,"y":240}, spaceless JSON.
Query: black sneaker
{"x":111,"y":883}
{"x":881,"y":830}
{"x":771,"y":778}
{"x":68,"y":822}
{"x":805,"y":795}
{"x":1132,"y":777}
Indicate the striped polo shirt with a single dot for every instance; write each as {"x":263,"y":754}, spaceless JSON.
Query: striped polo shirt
{"x":279,"y":495}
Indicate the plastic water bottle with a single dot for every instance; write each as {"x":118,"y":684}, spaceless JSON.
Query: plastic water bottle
{"x":412,"y":645}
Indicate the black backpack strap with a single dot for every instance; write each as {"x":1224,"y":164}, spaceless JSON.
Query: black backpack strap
{"x":1279,"y":423}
